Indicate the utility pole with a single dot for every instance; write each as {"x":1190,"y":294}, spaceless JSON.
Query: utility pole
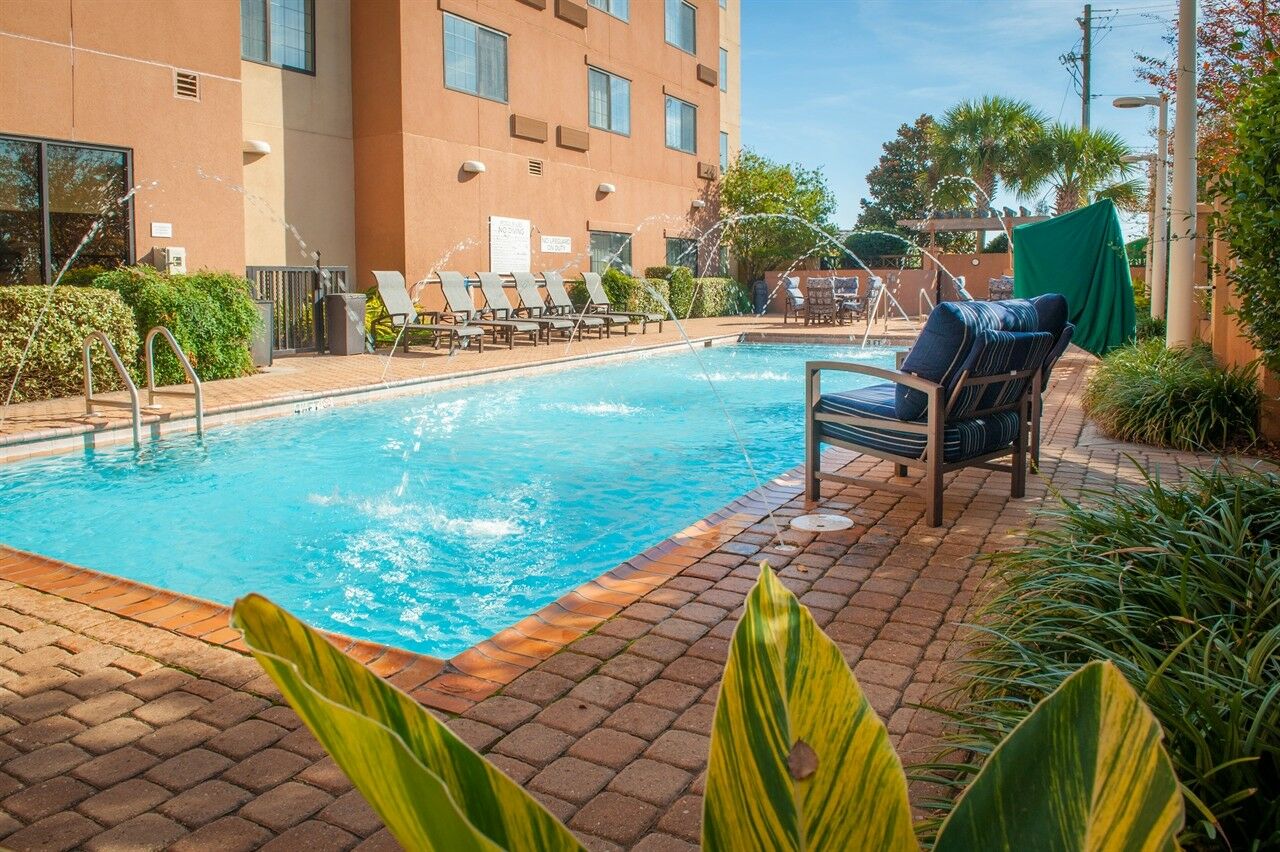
{"x":1086,"y":56}
{"x":1182,"y":322}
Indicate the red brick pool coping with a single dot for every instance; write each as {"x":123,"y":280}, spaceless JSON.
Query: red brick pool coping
{"x":453,"y":685}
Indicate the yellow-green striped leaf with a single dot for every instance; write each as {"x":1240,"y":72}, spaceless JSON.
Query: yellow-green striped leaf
{"x":799,"y":759}
{"x":429,"y":787}
{"x":1084,"y":771}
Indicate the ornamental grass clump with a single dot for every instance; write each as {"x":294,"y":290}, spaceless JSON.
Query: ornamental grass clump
{"x":1180,"y":398}
{"x":1179,"y":587}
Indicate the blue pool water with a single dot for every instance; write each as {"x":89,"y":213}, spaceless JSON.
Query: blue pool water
{"x":430,"y":522}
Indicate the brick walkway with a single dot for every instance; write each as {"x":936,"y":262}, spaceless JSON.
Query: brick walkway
{"x":118,"y":735}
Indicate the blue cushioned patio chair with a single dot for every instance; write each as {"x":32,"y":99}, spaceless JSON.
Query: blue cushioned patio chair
{"x":794,"y":306}
{"x":963,"y":398}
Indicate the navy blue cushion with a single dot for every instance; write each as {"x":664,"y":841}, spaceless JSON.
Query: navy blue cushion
{"x":946,"y":341}
{"x":1051,"y":308}
{"x":997,"y":353}
{"x":961,"y":438}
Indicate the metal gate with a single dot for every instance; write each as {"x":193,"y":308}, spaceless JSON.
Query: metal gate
{"x":297,"y":293}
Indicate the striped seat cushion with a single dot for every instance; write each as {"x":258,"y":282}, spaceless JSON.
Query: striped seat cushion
{"x":947,"y":340}
{"x":998,"y":353}
{"x":961,"y":439}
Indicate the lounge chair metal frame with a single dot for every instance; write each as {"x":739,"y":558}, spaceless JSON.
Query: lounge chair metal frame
{"x":534,"y":308}
{"x":932,"y":427}
{"x":457,"y":296}
{"x":598,"y":303}
{"x":403,"y":316}
{"x":559,"y":304}
{"x":499,"y":307}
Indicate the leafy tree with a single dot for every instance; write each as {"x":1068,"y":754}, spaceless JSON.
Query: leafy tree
{"x":797,"y":204}
{"x":1237,"y":40}
{"x":868,"y":246}
{"x":987,"y":140}
{"x":999,"y":244}
{"x":904,"y":185}
{"x":1081,"y":166}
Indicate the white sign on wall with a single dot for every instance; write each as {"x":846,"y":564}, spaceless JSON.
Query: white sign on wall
{"x":508,"y":245}
{"x":557,"y":245}
{"x":162,"y":229}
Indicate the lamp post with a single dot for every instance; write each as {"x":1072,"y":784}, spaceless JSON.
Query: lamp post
{"x":1159,"y":273}
{"x":1181,"y":328}
{"x":1147,"y":265}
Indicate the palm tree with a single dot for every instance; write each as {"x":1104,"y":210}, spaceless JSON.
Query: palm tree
{"x":988,"y":140}
{"x":1081,"y":166}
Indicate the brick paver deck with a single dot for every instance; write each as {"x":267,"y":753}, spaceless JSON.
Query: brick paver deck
{"x":116,"y":734}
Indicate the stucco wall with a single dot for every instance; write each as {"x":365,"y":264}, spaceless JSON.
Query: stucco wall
{"x":116,"y":87}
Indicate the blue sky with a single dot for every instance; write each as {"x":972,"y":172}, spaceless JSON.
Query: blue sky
{"x":827,"y":82}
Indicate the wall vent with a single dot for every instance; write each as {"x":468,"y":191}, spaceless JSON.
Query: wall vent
{"x":186,"y":85}
{"x":535,"y":167}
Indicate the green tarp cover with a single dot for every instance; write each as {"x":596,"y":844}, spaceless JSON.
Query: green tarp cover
{"x":1080,"y":255}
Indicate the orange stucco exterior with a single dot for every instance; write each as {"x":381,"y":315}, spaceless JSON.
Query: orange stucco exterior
{"x":364,"y":156}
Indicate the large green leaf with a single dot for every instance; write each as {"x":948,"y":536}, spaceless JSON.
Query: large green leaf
{"x":429,"y":787}
{"x":1084,"y":771}
{"x":799,"y":759}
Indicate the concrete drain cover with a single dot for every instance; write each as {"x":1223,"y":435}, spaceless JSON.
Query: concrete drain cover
{"x":821,"y":523}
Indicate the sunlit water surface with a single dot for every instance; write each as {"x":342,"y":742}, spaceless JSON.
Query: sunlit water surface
{"x":430,"y":522}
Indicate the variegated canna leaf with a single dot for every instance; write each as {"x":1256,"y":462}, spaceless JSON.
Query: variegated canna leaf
{"x":1084,"y":772}
{"x":799,"y":759}
{"x":432,"y":791}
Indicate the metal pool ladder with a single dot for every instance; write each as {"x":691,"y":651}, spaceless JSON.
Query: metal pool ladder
{"x":90,"y":400}
{"x":195,"y":393}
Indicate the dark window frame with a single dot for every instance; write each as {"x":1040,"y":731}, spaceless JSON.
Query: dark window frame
{"x":665,"y":127}
{"x":266,"y":23}
{"x":628,"y":244}
{"x":46,"y":232}
{"x":613,"y":76}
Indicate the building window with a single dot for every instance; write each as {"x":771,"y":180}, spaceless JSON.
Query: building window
{"x":724,"y":151}
{"x":51,"y":194}
{"x":608,"y":101}
{"x":724,"y":4}
{"x":279,"y":32}
{"x":682,"y":25}
{"x":683,"y":252}
{"x":724,"y":70}
{"x":682,"y":125}
{"x":475,"y":59}
{"x":617,"y":8}
{"x":610,"y":249}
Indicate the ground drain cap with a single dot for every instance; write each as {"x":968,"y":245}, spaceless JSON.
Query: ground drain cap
{"x":821,"y":523}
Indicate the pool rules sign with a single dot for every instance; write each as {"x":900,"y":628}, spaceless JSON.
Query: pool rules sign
{"x":508,"y":245}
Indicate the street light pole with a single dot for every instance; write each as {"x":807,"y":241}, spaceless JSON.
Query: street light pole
{"x":1159,"y":237}
{"x":1181,"y":327}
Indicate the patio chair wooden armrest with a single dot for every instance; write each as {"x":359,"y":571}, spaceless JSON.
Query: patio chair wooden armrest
{"x":896,"y":376}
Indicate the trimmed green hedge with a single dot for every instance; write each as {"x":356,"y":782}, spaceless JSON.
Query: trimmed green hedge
{"x":688,"y":297}
{"x":211,"y":315}
{"x":54,"y":367}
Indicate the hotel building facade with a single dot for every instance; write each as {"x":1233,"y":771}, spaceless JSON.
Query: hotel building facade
{"x":380,"y":134}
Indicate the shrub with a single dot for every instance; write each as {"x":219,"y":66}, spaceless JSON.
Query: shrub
{"x":688,"y":297}
{"x":662,"y":272}
{"x":54,"y":366}
{"x":1173,"y":398}
{"x":680,"y":289}
{"x":211,"y":315}
{"x":719,"y":297}
{"x":82,"y":276}
{"x":1250,"y":226}
{"x":1180,"y":588}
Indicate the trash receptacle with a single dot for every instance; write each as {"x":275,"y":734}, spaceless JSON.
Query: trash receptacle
{"x":344,"y":323}
{"x":262,"y":345}
{"x":759,"y":298}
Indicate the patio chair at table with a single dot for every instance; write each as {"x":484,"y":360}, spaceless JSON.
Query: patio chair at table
{"x":794,"y":305}
{"x":821,"y":302}
{"x":963,"y":398}
{"x":498,"y":306}
{"x":458,"y":299}
{"x":563,"y":306}
{"x":403,"y":315}
{"x":851,"y":306}
{"x":598,"y":302}
{"x":534,"y":309}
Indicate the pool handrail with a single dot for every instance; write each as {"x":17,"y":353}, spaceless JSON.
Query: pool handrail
{"x":134,"y":406}
{"x":195,"y":393}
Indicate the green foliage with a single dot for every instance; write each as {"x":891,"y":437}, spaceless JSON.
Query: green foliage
{"x":1251,"y":222}
{"x":719,"y":297}
{"x":987,"y":140}
{"x":1179,"y":586}
{"x":1079,"y":167}
{"x":54,"y":365}
{"x":1177,"y":398}
{"x":798,"y":758}
{"x":211,"y":315}
{"x":688,"y":297}
{"x":81,"y":276}
{"x":999,"y":244}
{"x":866,"y":247}
{"x":680,"y":291}
{"x":799,"y":204}
{"x":1149,"y":327}
{"x":663,"y":272}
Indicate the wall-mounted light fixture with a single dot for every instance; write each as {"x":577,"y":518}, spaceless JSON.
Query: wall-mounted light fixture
{"x":257,"y":147}
{"x":699,"y":203}
{"x":474,"y":167}
{"x":606,"y":188}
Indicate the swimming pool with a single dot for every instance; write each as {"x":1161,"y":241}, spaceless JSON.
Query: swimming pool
{"x":430,"y":522}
